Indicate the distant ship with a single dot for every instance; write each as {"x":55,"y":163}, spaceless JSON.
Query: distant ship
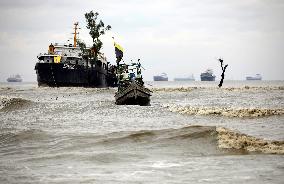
{"x":207,"y":75}
{"x":15,"y":78}
{"x":162,"y":77}
{"x":256,"y":77}
{"x":65,"y":65}
{"x":190,"y":78}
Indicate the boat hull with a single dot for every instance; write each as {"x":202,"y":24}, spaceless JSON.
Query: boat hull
{"x":63,"y":75}
{"x":133,"y":94}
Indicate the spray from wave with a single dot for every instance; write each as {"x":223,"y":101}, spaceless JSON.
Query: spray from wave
{"x":224,"y":111}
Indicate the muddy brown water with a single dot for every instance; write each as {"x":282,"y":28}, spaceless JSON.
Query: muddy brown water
{"x":193,"y":132}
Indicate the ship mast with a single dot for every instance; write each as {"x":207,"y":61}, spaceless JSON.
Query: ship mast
{"x":75,"y":33}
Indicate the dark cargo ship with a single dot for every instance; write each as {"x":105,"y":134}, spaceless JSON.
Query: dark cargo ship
{"x":64,"y":65}
{"x":15,"y":78}
{"x":256,"y":77}
{"x":162,"y":77}
{"x":207,"y":75}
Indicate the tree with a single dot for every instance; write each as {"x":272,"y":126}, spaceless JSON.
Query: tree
{"x":85,"y":52}
{"x":97,"y":28}
{"x":83,"y":47}
{"x":223,"y":72}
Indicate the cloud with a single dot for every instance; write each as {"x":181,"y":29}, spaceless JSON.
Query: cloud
{"x":179,"y":37}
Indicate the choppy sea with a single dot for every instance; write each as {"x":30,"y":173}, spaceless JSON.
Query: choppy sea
{"x":193,"y":132}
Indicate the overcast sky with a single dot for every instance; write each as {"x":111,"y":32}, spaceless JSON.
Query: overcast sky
{"x":178,"y":37}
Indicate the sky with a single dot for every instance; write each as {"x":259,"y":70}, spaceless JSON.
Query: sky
{"x":178,"y":37}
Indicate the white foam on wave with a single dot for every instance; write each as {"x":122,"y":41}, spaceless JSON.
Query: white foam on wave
{"x":181,"y":89}
{"x":241,"y":88}
{"x":224,"y":111}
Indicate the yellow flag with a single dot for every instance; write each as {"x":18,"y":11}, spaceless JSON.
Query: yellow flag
{"x":57,"y":59}
{"x":118,"y":46}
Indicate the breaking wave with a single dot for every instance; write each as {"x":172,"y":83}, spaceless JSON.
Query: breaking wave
{"x":209,"y":139}
{"x":253,"y":88}
{"x":225,"y":111}
{"x":7,"y":103}
{"x":181,"y":89}
{"x":191,"y":140}
{"x":229,"y":139}
{"x":80,"y":89}
{"x":242,"y":88}
{"x":197,"y":140}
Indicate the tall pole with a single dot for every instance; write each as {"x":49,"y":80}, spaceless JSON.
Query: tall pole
{"x":75,"y":34}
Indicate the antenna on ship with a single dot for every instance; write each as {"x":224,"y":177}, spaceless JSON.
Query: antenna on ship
{"x":75,"y":33}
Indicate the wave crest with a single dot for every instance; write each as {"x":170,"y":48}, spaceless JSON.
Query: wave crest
{"x":181,"y":89}
{"x":16,"y":136}
{"x":224,"y":111}
{"x":7,"y":103}
{"x":191,"y":140}
{"x":234,"y":140}
{"x":241,"y":88}
{"x":197,"y":140}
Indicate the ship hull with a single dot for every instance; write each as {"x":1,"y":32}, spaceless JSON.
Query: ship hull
{"x":207,"y":78}
{"x":252,"y":78}
{"x":160,"y":78}
{"x":14,"y":80}
{"x":63,"y":75}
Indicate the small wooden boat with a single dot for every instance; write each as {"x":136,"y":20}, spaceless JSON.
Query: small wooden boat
{"x":133,"y":93}
{"x":131,"y":89}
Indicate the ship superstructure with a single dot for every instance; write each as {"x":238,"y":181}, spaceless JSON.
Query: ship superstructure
{"x":161,"y":77}
{"x":207,"y":75}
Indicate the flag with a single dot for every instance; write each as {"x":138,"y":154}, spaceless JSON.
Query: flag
{"x":57,"y":59}
{"x":118,"y":47}
{"x":118,"y":51}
